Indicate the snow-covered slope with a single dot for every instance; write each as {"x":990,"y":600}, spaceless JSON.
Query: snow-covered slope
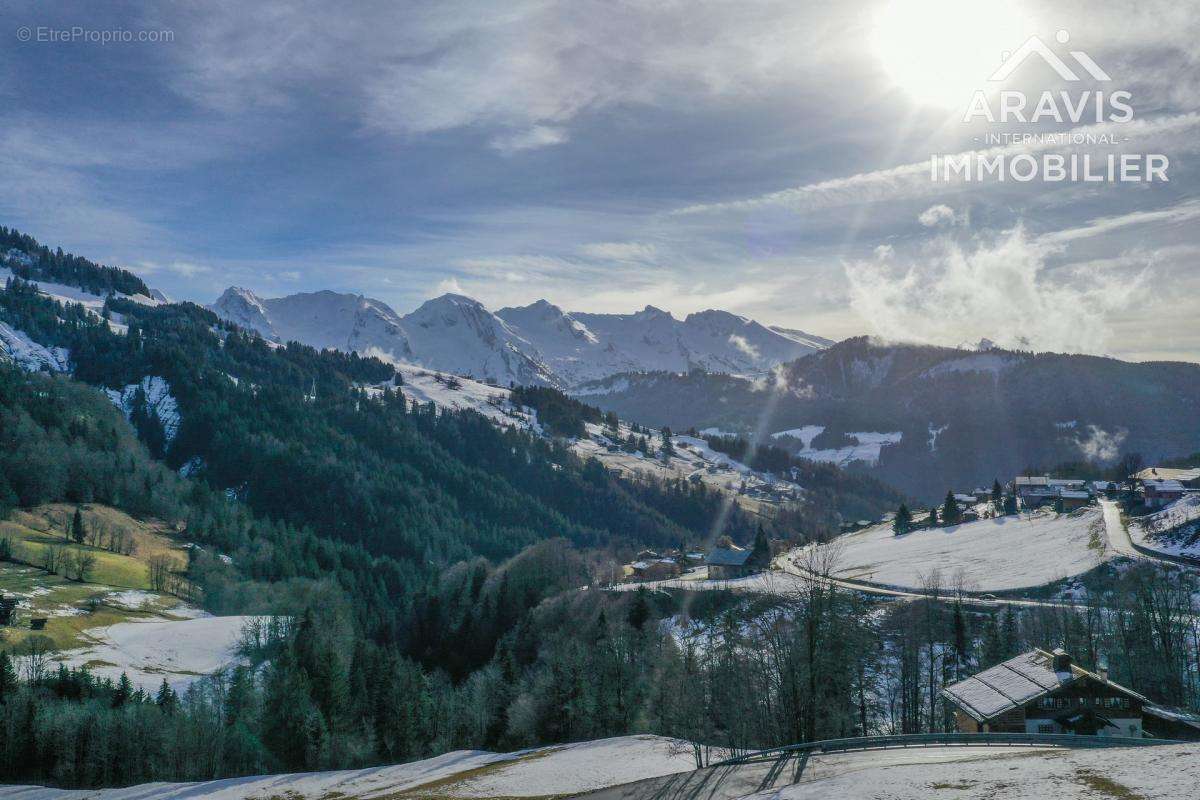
{"x":158,"y":398}
{"x":998,"y":554}
{"x":543,"y":772}
{"x":19,"y":349}
{"x":534,"y":344}
{"x":1175,"y":530}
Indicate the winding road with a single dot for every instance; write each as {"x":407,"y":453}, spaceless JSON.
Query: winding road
{"x":787,"y":566}
{"x":1118,"y":535}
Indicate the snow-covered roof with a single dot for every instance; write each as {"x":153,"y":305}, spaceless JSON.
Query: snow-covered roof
{"x":1031,"y":480}
{"x":1163,"y":486}
{"x":1169,"y":473}
{"x":1173,"y":714}
{"x":1014,"y":683}
{"x":1071,"y":495}
{"x":724,"y":557}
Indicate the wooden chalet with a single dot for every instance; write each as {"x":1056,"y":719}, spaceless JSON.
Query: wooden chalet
{"x":724,"y":563}
{"x":1041,"y":692}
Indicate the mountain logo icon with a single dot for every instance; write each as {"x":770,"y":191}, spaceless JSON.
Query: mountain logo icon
{"x":1034,"y":45}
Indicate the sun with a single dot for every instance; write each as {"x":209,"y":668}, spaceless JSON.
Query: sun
{"x":940,"y":52}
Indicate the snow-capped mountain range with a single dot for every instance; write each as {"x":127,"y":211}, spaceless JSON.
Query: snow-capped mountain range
{"x":535,"y":344}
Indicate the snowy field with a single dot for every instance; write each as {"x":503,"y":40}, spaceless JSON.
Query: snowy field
{"x":549,"y":771}
{"x":182,"y":651}
{"x":1136,"y":773}
{"x":870,"y":445}
{"x":1162,"y":530}
{"x":1013,"y":552}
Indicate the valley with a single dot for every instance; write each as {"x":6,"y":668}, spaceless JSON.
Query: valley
{"x":360,"y":573}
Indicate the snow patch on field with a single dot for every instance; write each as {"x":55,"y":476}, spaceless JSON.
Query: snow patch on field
{"x":805,"y":434}
{"x":181,"y":651}
{"x":1168,"y":772}
{"x":870,"y":445}
{"x":1012,"y":552}
{"x":549,"y":771}
{"x":16,"y":346}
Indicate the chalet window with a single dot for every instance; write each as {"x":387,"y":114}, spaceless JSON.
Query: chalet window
{"x":1045,"y":729}
{"x":1047,"y":702}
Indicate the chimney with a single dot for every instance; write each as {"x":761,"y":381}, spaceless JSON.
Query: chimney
{"x":1102,"y":668}
{"x":1062,"y":660}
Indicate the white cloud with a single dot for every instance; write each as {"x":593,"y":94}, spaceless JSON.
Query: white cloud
{"x":940,"y":214}
{"x":531,"y":139}
{"x":1000,"y":290}
{"x":1171,"y":135}
{"x":1101,"y":445}
{"x":620,"y":251}
{"x":523,"y":67}
{"x":448,"y":286}
{"x":1186,"y":211}
{"x":184,"y":269}
{"x":744,"y":346}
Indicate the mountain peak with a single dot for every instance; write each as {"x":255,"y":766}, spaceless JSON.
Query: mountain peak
{"x":451,"y":299}
{"x":534,"y":344}
{"x":653,"y":312}
{"x":238,"y":293}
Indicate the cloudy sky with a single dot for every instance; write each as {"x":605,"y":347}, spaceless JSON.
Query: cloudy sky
{"x":769,"y":158}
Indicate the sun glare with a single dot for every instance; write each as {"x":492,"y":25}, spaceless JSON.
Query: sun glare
{"x":940,"y":51}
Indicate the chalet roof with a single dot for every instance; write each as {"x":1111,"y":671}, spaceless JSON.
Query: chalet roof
{"x":1031,"y":480}
{"x":1065,"y":482}
{"x":1016,"y":682}
{"x":1073,"y":495}
{"x":725,"y":557}
{"x":1172,"y":715}
{"x":1169,"y":474}
{"x":1163,"y":486}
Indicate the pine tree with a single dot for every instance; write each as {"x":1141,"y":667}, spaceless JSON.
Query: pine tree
{"x":933,"y":517}
{"x":8,"y":677}
{"x":639,"y":610}
{"x":668,"y":449}
{"x":950,"y":510}
{"x":761,"y":554}
{"x":166,"y":699}
{"x":903,"y":521}
{"x":77,"y":530}
{"x":124,"y":692}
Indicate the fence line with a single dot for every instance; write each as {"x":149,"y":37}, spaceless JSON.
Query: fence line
{"x":944,"y":740}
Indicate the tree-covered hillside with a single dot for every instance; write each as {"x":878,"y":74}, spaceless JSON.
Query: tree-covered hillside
{"x":25,"y":258}
{"x":964,"y":417}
